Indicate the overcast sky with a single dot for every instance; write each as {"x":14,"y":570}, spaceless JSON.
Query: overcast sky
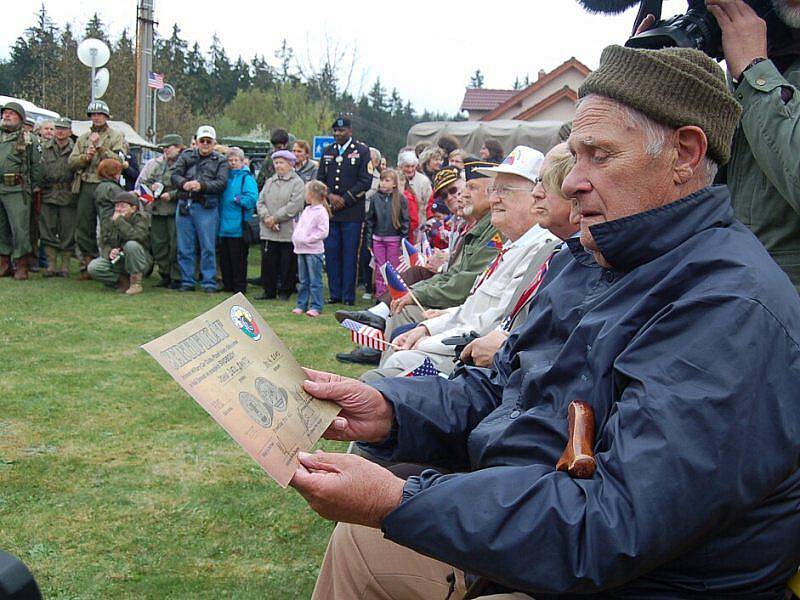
{"x":427,"y":50}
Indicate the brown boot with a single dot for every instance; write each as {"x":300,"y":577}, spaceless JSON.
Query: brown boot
{"x":6,"y":270}
{"x":22,"y":268}
{"x":123,"y":283}
{"x":136,"y":284}
{"x":52,"y":257}
{"x":65,"y":256}
{"x":84,"y":276}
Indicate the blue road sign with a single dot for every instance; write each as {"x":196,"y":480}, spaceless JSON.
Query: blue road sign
{"x":320,"y":141}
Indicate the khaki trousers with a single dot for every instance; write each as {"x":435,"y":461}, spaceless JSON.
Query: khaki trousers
{"x":361,"y":564}
{"x":57,"y":226}
{"x":15,"y":220}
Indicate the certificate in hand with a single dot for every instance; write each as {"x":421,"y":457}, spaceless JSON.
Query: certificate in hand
{"x":237,"y":369}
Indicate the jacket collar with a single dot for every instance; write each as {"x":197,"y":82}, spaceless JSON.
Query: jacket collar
{"x":481,"y":226}
{"x":632,"y":241}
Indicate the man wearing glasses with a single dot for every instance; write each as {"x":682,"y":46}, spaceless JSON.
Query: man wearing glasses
{"x":200,"y":175}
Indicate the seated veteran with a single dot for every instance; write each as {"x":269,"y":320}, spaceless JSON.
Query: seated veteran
{"x":685,"y":349}
{"x":553,"y":210}
{"x":513,"y":215}
{"x":124,"y":246}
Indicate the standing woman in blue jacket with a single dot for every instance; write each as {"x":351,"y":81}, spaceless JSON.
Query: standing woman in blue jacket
{"x":238,"y":201}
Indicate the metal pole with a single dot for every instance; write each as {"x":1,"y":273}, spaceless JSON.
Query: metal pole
{"x":144,"y":65}
{"x":94,"y":62}
{"x":155,"y":105}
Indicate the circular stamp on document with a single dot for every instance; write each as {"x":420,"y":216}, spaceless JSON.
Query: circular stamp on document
{"x":256,"y":409}
{"x":244,"y":321}
{"x":272,"y":394}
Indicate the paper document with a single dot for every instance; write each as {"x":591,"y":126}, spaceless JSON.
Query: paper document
{"x":236,"y":368}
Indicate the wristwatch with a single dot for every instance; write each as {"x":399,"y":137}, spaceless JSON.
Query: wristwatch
{"x":752,"y":63}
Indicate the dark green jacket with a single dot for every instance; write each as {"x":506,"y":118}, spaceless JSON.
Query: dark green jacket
{"x":452,"y":287}
{"x":764,"y":172}
{"x":104,"y":198}
{"x":114,"y":234}
{"x":20,"y":156}
{"x":57,"y":176}
{"x":162,"y":173}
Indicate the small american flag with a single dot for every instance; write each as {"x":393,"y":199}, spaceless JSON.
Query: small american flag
{"x":155,"y":81}
{"x":364,"y":335}
{"x":426,"y":369}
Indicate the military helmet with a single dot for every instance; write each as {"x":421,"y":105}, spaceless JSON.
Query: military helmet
{"x":16,"y":107}
{"x":62,"y":123}
{"x":98,"y":106}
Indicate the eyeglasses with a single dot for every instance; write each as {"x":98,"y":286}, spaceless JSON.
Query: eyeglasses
{"x":205,"y":141}
{"x":453,"y":191}
{"x":501,"y":191}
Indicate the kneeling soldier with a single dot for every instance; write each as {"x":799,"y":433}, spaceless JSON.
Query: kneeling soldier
{"x":125,"y":246}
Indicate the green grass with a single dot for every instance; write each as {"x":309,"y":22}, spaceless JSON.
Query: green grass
{"x":114,"y":483}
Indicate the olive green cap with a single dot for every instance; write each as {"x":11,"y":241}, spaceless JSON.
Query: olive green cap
{"x":128,"y":198}
{"x":63,"y":123}
{"x":673,"y":86}
{"x":16,"y":107}
{"x":171,"y":139}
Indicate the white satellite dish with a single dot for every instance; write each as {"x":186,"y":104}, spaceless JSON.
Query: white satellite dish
{"x":101,"y":82}
{"x":93,"y":53}
{"x":166,"y":93}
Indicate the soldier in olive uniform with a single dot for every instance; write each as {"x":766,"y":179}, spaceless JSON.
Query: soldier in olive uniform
{"x":100,"y":142}
{"x":124,"y":246}
{"x":20,"y":174}
{"x":163,"y":235}
{"x":59,"y":203}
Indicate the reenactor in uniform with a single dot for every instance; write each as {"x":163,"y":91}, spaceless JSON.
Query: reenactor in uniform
{"x":21,"y":174}
{"x":59,"y":203}
{"x":163,"y":235}
{"x":124,"y":246}
{"x":347,"y":171}
{"x":100,"y":142}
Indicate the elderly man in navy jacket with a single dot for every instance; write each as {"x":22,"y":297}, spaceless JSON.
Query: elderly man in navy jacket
{"x":684,"y":343}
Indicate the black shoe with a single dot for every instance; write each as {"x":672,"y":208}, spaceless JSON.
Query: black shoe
{"x":254,"y":281}
{"x":361,"y":316}
{"x":284,"y":297}
{"x":349,"y":302}
{"x":333,"y":301}
{"x":163,"y":283}
{"x":210,"y":290}
{"x":185,"y":288}
{"x":264,"y":297}
{"x":175,"y":285}
{"x":361,"y":356}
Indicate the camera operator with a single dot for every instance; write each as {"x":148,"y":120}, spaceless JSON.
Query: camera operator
{"x":764,"y":174}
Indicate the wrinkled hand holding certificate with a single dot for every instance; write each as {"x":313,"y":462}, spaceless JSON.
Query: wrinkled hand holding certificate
{"x":237,"y":369}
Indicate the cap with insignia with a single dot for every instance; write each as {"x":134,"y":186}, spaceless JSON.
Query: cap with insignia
{"x":171,"y":139}
{"x":472,"y":166}
{"x":62,"y":123}
{"x":523,"y":161}
{"x":341,"y":122}
{"x":443,"y":178}
{"x":30,"y":121}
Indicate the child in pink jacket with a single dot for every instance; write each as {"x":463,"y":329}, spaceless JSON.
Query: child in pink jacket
{"x":308,"y":235}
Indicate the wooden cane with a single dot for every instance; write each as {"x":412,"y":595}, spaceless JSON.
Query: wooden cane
{"x":578,"y":457}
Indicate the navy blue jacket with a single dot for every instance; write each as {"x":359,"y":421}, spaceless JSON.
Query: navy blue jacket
{"x":687,"y":350}
{"x":348,"y":175}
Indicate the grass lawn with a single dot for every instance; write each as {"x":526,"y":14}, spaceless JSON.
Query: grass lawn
{"x":114,"y":483}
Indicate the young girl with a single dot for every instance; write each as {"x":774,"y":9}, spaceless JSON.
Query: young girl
{"x":309,"y":232}
{"x":387,"y":223}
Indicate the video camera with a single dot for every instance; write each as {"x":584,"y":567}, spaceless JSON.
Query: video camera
{"x":697,"y":28}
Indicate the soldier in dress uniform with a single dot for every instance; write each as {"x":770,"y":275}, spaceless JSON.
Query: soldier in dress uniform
{"x":347,"y":171}
{"x":20,"y":175}
{"x":100,"y":142}
{"x":59,"y":204}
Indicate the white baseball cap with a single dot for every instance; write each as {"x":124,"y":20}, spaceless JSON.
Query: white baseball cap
{"x":523,"y":161}
{"x":206,"y":131}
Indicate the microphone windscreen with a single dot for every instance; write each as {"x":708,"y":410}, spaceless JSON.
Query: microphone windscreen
{"x":607,"y":6}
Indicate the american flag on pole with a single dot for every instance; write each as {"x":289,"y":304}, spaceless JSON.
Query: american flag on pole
{"x":155,"y":81}
{"x":426,"y":369}
{"x":410,"y":257}
{"x":364,"y":335}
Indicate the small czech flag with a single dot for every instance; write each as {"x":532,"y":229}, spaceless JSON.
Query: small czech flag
{"x":397,"y":287}
{"x":411,"y":257}
{"x":145,"y":194}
